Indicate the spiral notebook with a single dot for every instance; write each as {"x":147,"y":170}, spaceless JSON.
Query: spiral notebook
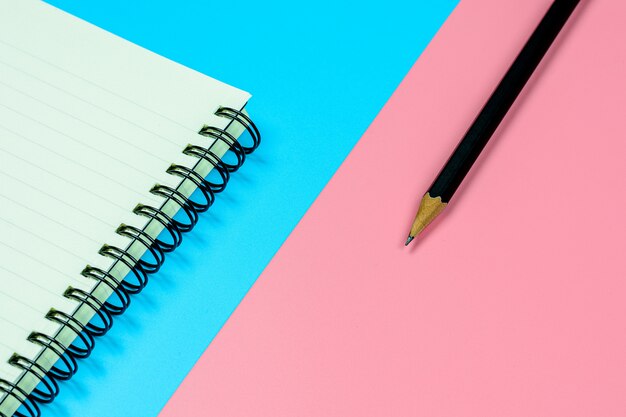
{"x":108,"y":153}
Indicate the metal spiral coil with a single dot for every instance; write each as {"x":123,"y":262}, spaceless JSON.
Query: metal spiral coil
{"x":210,"y":157}
{"x":246,"y":122}
{"x":114,"y":284}
{"x":96,"y":306}
{"x":233,"y":146}
{"x":182,"y":202}
{"x":65,"y":356}
{"x":64,"y":319}
{"x":202,"y":185}
{"x":121,"y":291}
{"x":49,"y":383}
{"x":133,"y":265}
{"x":166,"y":221}
{"x":149,"y":243}
{"x":29,"y":402}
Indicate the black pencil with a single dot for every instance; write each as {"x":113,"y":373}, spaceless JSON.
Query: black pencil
{"x":487,"y":121}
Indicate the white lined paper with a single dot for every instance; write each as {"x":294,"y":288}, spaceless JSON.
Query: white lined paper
{"x":88,"y":124}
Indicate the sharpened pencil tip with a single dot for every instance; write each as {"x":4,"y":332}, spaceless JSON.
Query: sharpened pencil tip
{"x":409,"y":240}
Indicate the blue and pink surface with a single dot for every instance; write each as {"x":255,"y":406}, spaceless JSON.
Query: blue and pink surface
{"x":515,"y":311}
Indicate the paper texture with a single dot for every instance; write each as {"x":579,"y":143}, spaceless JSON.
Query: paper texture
{"x":88,"y":124}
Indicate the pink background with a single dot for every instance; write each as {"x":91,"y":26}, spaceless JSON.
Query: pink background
{"x":513,"y":304}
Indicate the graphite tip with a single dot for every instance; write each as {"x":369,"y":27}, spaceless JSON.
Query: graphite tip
{"x":409,"y":240}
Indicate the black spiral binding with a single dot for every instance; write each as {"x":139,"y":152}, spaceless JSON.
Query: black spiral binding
{"x":135,"y":281}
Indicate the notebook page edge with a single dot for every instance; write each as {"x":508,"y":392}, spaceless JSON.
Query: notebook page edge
{"x":46,"y":358}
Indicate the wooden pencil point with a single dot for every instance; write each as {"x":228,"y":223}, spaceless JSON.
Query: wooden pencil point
{"x":492,"y":113}
{"x":430,"y":208}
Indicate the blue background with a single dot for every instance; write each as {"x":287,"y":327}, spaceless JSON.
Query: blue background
{"x":319,"y":72}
